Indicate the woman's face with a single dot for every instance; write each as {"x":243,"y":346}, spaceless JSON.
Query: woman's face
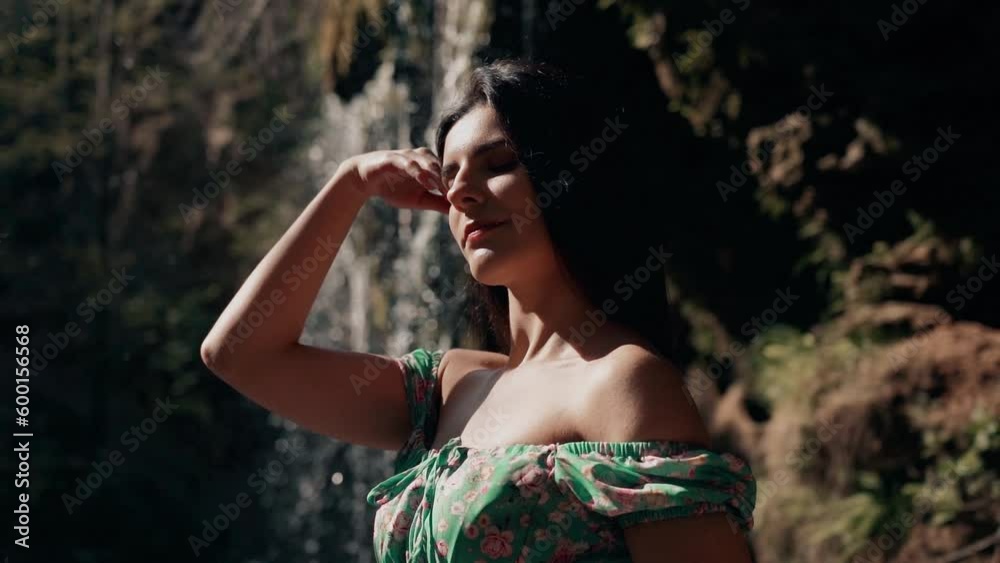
{"x":487,"y":184}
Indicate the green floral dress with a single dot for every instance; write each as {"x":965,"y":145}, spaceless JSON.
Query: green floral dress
{"x":532,"y":503}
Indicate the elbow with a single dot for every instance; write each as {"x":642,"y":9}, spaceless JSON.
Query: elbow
{"x":214,"y":355}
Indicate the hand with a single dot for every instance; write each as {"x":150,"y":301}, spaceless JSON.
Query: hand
{"x":405,"y":178}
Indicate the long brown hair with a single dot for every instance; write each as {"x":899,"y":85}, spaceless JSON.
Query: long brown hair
{"x":600,"y":209}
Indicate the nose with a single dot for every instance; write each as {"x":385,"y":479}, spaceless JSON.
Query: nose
{"x":465,"y":191}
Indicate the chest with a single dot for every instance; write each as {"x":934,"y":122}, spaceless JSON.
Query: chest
{"x":487,"y":409}
{"x":501,"y":504}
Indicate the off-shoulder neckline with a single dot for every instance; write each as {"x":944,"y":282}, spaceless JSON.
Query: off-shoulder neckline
{"x":624,"y":448}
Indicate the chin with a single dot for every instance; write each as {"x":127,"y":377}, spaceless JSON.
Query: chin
{"x":487,"y":267}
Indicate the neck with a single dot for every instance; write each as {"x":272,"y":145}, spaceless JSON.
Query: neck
{"x":549,"y":322}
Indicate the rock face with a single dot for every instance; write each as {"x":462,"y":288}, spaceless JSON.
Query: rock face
{"x":875,"y":435}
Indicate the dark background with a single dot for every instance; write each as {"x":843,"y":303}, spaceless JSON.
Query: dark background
{"x":881,"y":340}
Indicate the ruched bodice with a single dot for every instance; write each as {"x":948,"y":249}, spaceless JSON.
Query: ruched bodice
{"x":529,"y":503}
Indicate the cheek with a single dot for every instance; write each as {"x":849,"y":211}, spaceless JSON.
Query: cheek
{"x":514,"y":192}
{"x":453,"y":221}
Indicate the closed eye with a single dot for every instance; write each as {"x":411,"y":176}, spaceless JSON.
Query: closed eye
{"x":505,"y":166}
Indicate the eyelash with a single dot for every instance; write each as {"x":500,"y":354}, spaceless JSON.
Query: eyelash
{"x":505,"y":167}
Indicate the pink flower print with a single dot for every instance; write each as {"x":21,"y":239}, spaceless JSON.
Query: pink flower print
{"x":497,"y":544}
{"x":471,"y":531}
{"x":486,"y":472}
{"x":627,"y":499}
{"x":413,"y":501}
{"x":525,"y":520}
{"x":735,"y":464}
{"x":442,"y":548}
{"x":458,"y":508}
{"x":658,"y":500}
{"x":607,"y":541}
{"x":454,"y":458}
{"x":557,"y":517}
{"x":576,"y":509}
{"x":471,"y":495}
{"x":483,"y":520}
{"x":401,"y":525}
{"x":541,"y":534}
{"x":565,"y":552}
{"x":419,"y":389}
{"x":529,"y":480}
{"x":442,"y":526}
{"x":649,"y":463}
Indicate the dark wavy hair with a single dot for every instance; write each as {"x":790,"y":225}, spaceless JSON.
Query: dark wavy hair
{"x":600,"y":212}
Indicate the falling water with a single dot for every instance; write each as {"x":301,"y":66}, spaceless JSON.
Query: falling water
{"x":394,"y":285}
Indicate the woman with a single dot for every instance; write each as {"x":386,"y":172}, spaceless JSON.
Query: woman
{"x":580,"y":442}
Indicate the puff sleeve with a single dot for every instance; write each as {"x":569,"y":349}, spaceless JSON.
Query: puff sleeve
{"x":420,"y":381}
{"x":634,"y":482}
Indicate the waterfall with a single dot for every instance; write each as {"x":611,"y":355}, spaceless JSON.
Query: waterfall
{"x":393,"y":286}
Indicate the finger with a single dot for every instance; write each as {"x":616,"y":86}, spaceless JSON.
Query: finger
{"x":422,"y":172}
{"x":432,"y":201}
{"x":431,"y":162}
{"x":424,"y":151}
{"x":397,"y":175}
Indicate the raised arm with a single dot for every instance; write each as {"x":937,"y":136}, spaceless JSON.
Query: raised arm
{"x":254,"y":345}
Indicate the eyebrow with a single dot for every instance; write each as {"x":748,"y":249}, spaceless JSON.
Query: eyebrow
{"x":485,"y":147}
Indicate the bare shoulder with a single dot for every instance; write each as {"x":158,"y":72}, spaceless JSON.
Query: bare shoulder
{"x":637,"y":395}
{"x":456,"y":363}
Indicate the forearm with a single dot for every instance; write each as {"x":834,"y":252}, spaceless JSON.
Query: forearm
{"x":269,"y":311}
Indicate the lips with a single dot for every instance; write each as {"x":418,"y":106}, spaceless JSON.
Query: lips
{"x":477,"y":227}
